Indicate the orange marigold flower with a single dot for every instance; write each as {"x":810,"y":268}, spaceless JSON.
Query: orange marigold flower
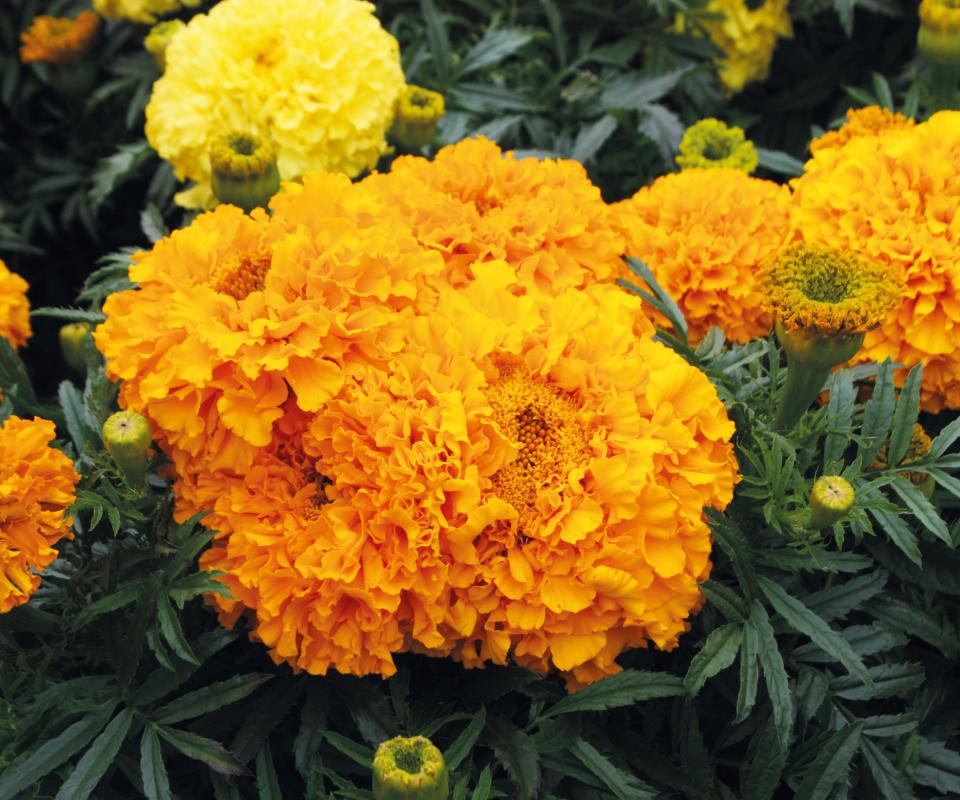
{"x":474,"y":203}
{"x":236,"y":313}
{"x":893,"y":198}
{"x":525,"y":482}
{"x":868,"y":121}
{"x":59,"y":40}
{"x":37,"y":484}
{"x":703,"y":233}
{"x":14,"y":307}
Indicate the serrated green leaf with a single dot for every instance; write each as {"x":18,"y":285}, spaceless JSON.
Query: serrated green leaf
{"x":779,"y":162}
{"x":117,"y":168}
{"x":917,"y":622}
{"x":161,"y":682}
{"x":726,"y":600}
{"x":878,"y":413}
{"x":623,"y":689}
{"x":888,"y":779}
{"x":268,"y":785}
{"x":592,"y":137}
{"x":153,"y":772}
{"x":945,"y":439}
{"x":97,"y":760}
{"x":804,"y":620}
{"x":71,"y":401}
{"x":632,"y":90}
{"x":484,"y":783}
{"x":496,"y":45}
{"x":199,"y":748}
{"x":904,"y":418}
{"x":623,"y":785}
{"x":830,"y":764}
{"x":54,"y":752}
{"x":356,"y":752}
{"x":774,"y":673}
{"x":843,"y":395}
{"x":123,"y":596}
{"x":899,"y":533}
{"x":922,"y":509}
{"x":662,"y":127}
{"x":172,"y":631}
{"x":939,"y":767}
{"x":718,"y":652}
{"x":463,"y":744}
{"x":209,"y":698}
{"x":889,"y":680}
{"x":888,"y":725}
{"x":514,"y":750}
{"x":764,"y":765}
{"x":185,"y":589}
{"x":839,"y":600}
{"x":749,"y":672}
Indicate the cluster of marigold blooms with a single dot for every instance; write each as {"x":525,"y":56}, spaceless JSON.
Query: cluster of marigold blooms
{"x":37,"y":481}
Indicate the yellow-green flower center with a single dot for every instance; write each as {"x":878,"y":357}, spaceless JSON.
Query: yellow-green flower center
{"x":712,"y":144}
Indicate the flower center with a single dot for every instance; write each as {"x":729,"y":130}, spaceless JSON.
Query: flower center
{"x":242,"y":275}
{"x":717,"y":147}
{"x":827,"y":285}
{"x":409,"y":757}
{"x":546,"y":426}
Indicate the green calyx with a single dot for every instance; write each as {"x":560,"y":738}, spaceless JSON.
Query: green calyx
{"x":410,"y":769}
{"x":126,"y":436}
{"x":243,"y":171}
{"x":73,"y":338}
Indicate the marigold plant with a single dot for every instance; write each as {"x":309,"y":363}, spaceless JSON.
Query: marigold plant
{"x":317,"y":78}
{"x":867,"y":121}
{"x":892,"y":197}
{"x":14,"y":307}
{"x":37,"y":484}
{"x":704,"y":234}
{"x":512,"y":486}
{"x":59,"y":40}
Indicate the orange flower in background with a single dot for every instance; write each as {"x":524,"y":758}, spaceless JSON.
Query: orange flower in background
{"x":235,"y":314}
{"x":14,"y":307}
{"x":868,"y":121}
{"x":59,"y":40}
{"x":474,"y":203}
{"x":894,"y":199}
{"x":37,"y":484}
{"x":704,"y":233}
{"x":522,"y":482}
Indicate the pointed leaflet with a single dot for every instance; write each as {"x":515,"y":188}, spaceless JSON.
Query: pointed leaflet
{"x":153,"y":773}
{"x":623,"y":689}
{"x":464,"y":743}
{"x":514,"y":749}
{"x":717,"y":654}
{"x":830,"y":765}
{"x":774,"y":674}
{"x":97,"y":760}
{"x":623,"y":785}
{"x":908,"y":408}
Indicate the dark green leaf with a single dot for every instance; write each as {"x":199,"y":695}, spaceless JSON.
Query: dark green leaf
{"x":804,"y":620}
{"x":662,"y":127}
{"x":727,"y":601}
{"x":171,"y":630}
{"x":899,"y":533}
{"x":878,"y":413}
{"x":718,"y":653}
{"x":623,"y":785}
{"x":843,"y":395}
{"x":839,"y":600}
{"x":779,"y":162}
{"x":515,"y":751}
{"x":904,"y":418}
{"x":482,"y":790}
{"x":922,"y":509}
{"x":749,"y":672}
{"x":765,"y":762}
{"x":464,"y":743}
{"x":623,"y":689}
{"x":889,"y":680}
{"x":774,"y":673}
{"x":495,"y":46}
{"x":918,"y":622}
{"x":888,"y":779}
{"x":888,"y":725}
{"x":632,"y":90}
{"x":939,"y":768}
{"x":592,"y":137}
{"x":830,"y":764}
{"x":945,"y":439}
{"x":268,"y":785}
{"x":209,"y":698}
{"x":199,"y":748}
{"x":97,"y":760}
{"x":356,"y":752}
{"x":156,"y":784}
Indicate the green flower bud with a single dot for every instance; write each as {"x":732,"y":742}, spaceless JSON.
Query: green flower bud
{"x":159,"y":38}
{"x":243,"y":171}
{"x":127,"y":437}
{"x":72,"y":340}
{"x":410,"y":769}
{"x":831,"y":498}
{"x":417,"y":114}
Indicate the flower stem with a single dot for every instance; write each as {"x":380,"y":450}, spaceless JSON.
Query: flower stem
{"x":804,"y":383}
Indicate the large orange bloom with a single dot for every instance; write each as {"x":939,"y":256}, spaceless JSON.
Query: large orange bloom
{"x":235,"y":314}
{"x":894,"y":198}
{"x":59,"y":40}
{"x":14,"y":307}
{"x":37,"y":484}
{"x":867,"y":121}
{"x":522,"y":482}
{"x":474,"y":204}
{"x":704,"y":234}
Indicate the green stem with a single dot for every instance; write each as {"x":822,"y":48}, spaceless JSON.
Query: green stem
{"x":804,"y":382}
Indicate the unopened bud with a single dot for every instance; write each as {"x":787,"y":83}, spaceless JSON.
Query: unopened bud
{"x":831,"y":499}
{"x":73,"y":338}
{"x":417,"y":114}
{"x":127,"y":437}
{"x":410,"y":769}
{"x":243,"y":171}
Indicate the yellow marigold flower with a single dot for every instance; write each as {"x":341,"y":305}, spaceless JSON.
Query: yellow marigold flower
{"x":938,"y":38}
{"x":746,"y":36}
{"x":920,"y":444}
{"x":828,"y":291}
{"x":892,"y":197}
{"x":418,"y":112}
{"x":318,"y":78}
{"x":37,"y":484}
{"x":59,"y":40}
{"x":235,"y":313}
{"x":159,"y":38}
{"x":704,"y":233}
{"x":712,"y":144}
{"x":868,"y":121}
{"x":524,"y":481}
{"x":475,"y":204}
{"x":141,"y":10}
{"x":14,"y":307}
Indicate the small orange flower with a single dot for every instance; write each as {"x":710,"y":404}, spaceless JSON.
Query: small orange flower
{"x":37,"y":484}
{"x":59,"y":40}
{"x":14,"y":307}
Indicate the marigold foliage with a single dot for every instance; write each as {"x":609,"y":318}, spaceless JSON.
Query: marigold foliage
{"x":828,"y":291}
{"x":918,"y":448}
{"x":14,"y":307}
{"x":712,"y":144}
{"x":396,"y":517}
{"x":141,"y":10}
{"x":59,"y":40}
{"x":893,"y":198}
{"x":318,"y":78}
{"x":746,"y":36}
{"x":37,"y":484}
{"x":704,"y":234}
{"x":867,"y":121}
